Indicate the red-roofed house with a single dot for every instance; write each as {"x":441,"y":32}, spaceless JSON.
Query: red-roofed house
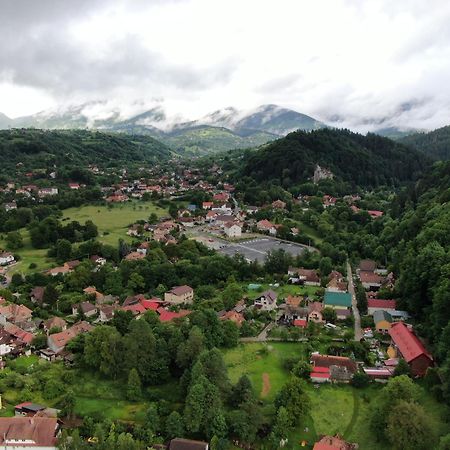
{"x":374,"y":213}
{"x":25,"y":432}
{"x":168,"y":316}
{"x":333,"y":443}
{"x":410,"y":348}
{"x":320,"y":375}
{"x":378,"y":304}
{"x":301,"y":323}
{"x":234,"y":316}
{"x":58,"y":341}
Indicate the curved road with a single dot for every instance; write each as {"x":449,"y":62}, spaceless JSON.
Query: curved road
{"x":356,"y":315}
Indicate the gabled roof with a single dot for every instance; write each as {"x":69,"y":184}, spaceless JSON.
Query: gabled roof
{"x":381,"y":315}
{"x":41,"y":430}
{"x":367,"y":265}
{"x":380,"y":303}
{"x":338,"y":298}
{"x":407,"y":342}
{"x":181,"y":290}
{"x":187,"y":444}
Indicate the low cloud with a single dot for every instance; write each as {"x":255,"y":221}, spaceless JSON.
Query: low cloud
{"x":362,"y":65}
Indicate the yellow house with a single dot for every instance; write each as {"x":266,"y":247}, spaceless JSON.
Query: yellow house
{"x":383,"y":321}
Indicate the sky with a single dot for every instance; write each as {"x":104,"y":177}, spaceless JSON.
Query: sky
{"x":356,"y":63}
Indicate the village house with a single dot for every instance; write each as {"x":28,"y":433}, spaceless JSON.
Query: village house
{"x":278,"y":204}
{"x":168,"y":316}
{"x":90,"y":291}
{"x":308,"y":277}
{"x":382,"y":320}
{"x":341,"y":368}
{"x":180,"y":294}
{"x":266,"y":226}
{"x":187,"y":444}
{"x":410,"y":348}
{"x":334,"y":285}
{"x":233,"y":316}
{"x":334,"y":443}
{"x":29,"y":409}
{"x":54,"y":322}
{"x":46,"y":192}
{"x":24,"y":432}
{"x":267,"y":301}
{"x":10,"y":206}
{"x":6,"y":258}
{"x":57,"y":342}
{"x":86,"y":308}
{"x":37,"y":294}
{"x":134,"y":256}
{"x":315,"y":312}
{"x":13,"y":313}
{"x":233,"y":230}
{"x":376,"y":304}
{"x":207,"y":205}
{"x":337,"y":300}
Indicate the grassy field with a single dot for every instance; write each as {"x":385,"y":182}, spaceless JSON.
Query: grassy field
{"x":334,"y":408}
{"x":113,"y":222}
{"x":29,"y":255}
{"x":255,"y":360}
{"x":112,"y":225}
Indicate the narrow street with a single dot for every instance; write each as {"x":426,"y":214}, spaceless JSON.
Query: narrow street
{"x":356,"y":315}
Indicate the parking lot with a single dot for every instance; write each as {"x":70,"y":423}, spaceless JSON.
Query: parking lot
{"x":257,"y":249}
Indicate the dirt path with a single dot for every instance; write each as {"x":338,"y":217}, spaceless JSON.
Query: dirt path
{"x":356,"y":315}
{"x":266,"y":384}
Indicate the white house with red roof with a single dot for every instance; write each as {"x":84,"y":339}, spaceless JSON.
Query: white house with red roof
{"x":378,"y":304}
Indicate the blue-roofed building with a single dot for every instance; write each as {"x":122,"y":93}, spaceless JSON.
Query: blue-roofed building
{"x":337,"y":300}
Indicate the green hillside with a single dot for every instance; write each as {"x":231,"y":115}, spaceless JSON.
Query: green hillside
{"x":204,"y":139}
{"x":367,"y":161}
{"x":36,"y":148}
{"x":435,"y":144}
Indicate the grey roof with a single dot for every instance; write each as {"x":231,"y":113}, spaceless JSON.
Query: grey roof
{"x":380,"y":315}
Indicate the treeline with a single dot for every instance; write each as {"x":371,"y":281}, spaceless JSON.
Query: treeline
{"x":35,"y":148}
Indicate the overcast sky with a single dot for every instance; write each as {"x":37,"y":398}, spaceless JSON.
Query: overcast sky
{"x":355,"y":60}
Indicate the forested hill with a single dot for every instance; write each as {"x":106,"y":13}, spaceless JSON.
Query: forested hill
{"x":419,"y":243}
{"x":435,"y":144}
{"x":35,"y":148}
{"x":366,"y":161}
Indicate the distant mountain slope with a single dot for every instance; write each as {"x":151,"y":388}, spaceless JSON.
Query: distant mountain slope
{"x":34,"y":147}
{"x":277,"y":120}
{"x":221,"y":130}
{"x":435,"y":144}
{"x":205,"y":139}
{"x":396,"y":133}
{"x":367,"y":161}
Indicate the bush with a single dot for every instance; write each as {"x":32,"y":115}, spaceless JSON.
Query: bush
{"x":360,"y":380}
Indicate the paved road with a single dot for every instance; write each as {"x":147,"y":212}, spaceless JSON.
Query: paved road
{"x":356,"y":315}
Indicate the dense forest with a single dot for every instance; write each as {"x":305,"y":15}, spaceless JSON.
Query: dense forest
{"x":365,"y":161}
{"x":435,"y":144}
{"x":39,"y":148}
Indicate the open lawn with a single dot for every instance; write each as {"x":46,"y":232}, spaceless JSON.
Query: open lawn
{"x":261,"y":361}
{"x":113,"y":221}
{"x":335,"y":409}
{"x":29,"y":255}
